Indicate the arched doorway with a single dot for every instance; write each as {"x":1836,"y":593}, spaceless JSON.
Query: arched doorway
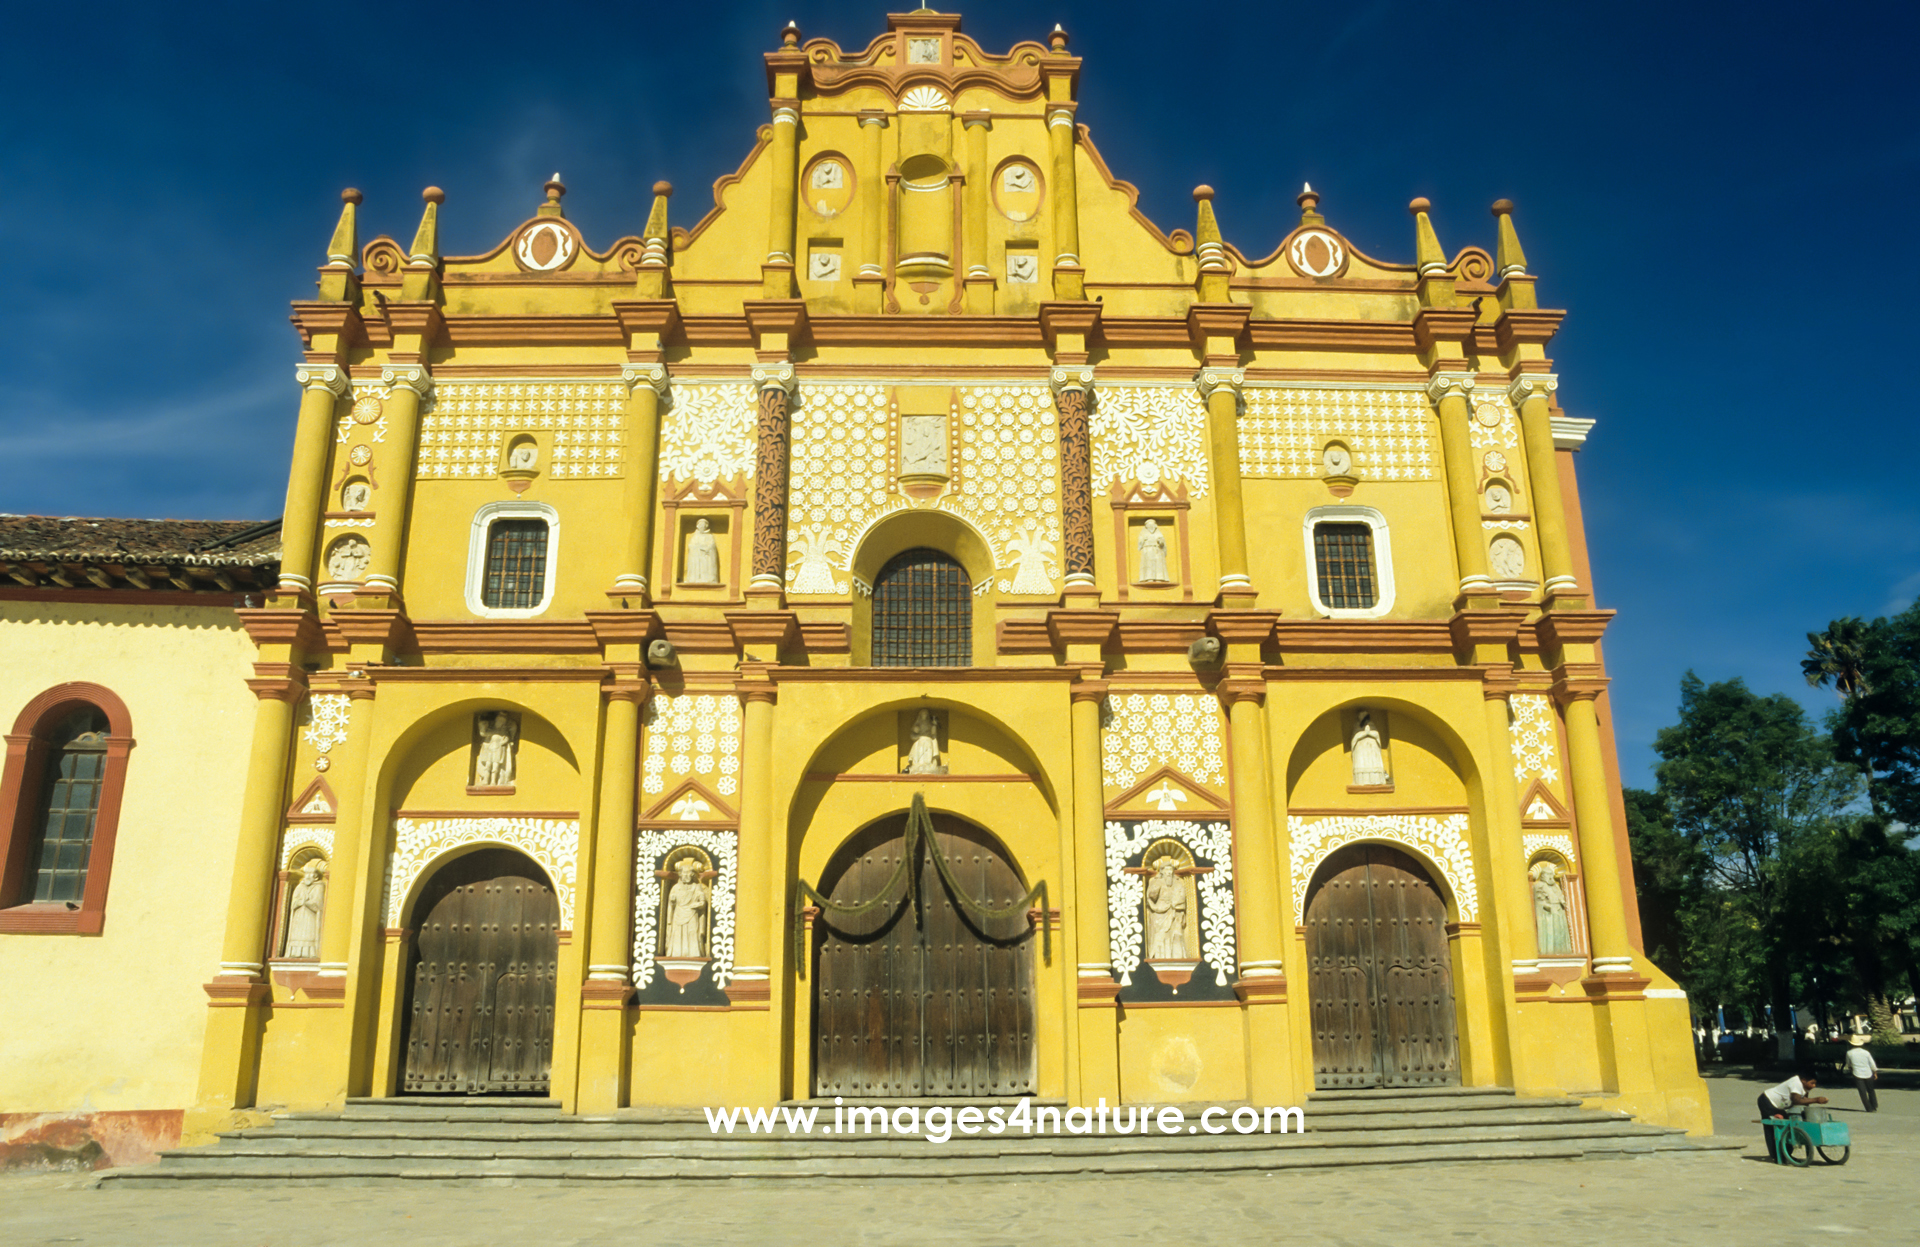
{"x":480,"y":980}
{"x":1380,"y":974}
{"x":916,"y":996}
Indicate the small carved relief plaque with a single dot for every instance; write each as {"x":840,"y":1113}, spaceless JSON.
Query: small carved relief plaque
{"x":1023,"y":268}
{"x":923,"y":51}
{"x":823,"y":266}
{"x":923,"y":445}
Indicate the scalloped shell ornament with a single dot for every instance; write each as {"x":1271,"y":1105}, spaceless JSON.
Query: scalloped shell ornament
{"x":367,"y":410}
{"x":924,"y":100}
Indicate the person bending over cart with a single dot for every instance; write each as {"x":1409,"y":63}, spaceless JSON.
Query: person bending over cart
{"x":1795,"y":1093}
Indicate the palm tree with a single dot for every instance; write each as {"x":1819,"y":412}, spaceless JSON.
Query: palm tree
{"x":1838,"y":657}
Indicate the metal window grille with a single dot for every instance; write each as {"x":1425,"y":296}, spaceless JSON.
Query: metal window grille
{"x":1343,"y":556}
{"x":75,"y":773}
{"x":922,"y":612}
{"x":516,"y":564}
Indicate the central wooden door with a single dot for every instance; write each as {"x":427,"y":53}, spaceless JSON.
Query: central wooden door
{"x":1380,"y":974}
{"x":481,"y":983}
{"x":933,"y":1003}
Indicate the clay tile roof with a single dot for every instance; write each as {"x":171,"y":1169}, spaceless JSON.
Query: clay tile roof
{"x":197,"y":543}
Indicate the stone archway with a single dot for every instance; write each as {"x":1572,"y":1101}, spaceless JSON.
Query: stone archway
{"x":917,"y":996}
{"x":481,"y":978}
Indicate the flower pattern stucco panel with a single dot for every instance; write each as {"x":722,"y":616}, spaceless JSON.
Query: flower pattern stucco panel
{"x":581,"y":426}
{"x":1442,"y":839}
{"x":1209,"y":842}
{"x":1148,"y":434}
{"x":1532,"y":731}
{"x":1391,"y":433}
{"x":841,"y":482}
{"x":554,"y":843}
{"x":692,"y":736}
{"x":1141,"y":732}
{"x":707,"y":433}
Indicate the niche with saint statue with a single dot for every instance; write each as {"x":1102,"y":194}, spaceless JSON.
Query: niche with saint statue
{"x":496,"y":753}
{"x":1172,"y":905}
{"x":1554,"y":888}
{"x":1365,"y":732}
{"x":683,"y":920}
{"x":302,"y":905}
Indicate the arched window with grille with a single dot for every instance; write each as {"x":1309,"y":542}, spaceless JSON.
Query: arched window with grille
{"x":510,"y":562}
{"x":59,"y":810}
{"x":1351,"y":562}
{"x":922,"y":612}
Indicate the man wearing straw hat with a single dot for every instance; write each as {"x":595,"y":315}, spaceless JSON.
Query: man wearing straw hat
{"x":1864,"y":1071}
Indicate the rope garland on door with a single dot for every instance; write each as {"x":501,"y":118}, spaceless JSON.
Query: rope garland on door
{"x":919,"y":831}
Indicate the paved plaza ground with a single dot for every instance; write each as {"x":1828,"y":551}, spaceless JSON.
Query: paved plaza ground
{"x":1710,"y":1199}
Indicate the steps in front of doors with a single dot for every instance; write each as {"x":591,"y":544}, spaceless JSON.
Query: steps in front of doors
{"x":505,"y":1141}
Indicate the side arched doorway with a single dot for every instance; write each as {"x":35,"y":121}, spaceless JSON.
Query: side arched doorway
{"x":916,"y":996}
{"x":481,"y":977}
{"x":1380,"y":974}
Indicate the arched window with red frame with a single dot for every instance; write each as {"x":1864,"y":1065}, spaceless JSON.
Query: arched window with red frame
{"x":60,"y":798}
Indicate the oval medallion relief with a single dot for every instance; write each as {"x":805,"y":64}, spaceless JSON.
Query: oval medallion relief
{"x":1316,"y":253}
{"x":545,"y":246}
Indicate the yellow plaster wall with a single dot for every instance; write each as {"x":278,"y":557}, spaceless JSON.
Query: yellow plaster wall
{"x":1178,"y":1055}
{"x":118,"y":1018}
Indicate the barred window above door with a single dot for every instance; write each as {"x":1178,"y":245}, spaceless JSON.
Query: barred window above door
{"x":516,"y":574}
{"x":1343,"y":564}
{"x":922,"y":612}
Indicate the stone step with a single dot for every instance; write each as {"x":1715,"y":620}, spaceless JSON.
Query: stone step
{"x":346,"y":1171}
{"x":1374,"y":1093}
{"x":1315,"y":1106}
{"x":453,"y":1101}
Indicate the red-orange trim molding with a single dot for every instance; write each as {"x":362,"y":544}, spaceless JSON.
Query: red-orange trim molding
{"x":20,"y":797}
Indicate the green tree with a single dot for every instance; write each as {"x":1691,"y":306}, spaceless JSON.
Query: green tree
{"x":1877,"y":727}
{"x":1750,"y":783}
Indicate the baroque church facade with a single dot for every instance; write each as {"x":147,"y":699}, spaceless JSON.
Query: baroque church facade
{"x":924,"y":630}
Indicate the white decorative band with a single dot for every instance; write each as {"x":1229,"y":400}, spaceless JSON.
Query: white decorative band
{"x":1515,"y":270}
{"x":1236,"y":580}
{"x":1562,"y":582}
{"x":1261,"y":970}
{"x":871,"y":270}
{"x":1060,"y":118}
{"x":329,"y":377}
{"x":1570,"y":432}
{"x":1095,"y":969}
{"x":1079,"y":578}
{"x":293,"y":580}
{"x":779,"y":257}
{"x":1066,"y":259}
{"x":420,"y":843}
{"x":630,"y":580}
{"x":617,"y":974}
{"x":421,"y":259}
{"x":1433,"y":268}
{"x":978,"y":270}
{"x":751,"y":972}
{"x":243,"y":968}
{"x":336,"y":260}
{"x":1612,"y":965}
{"x":1665,"y":993}
{"x":333,"y":969}
{"x":1441,"y":839}
{"x":1525,"y":967}
{"x":1470,"y":583}
{"x":1520,"y":525}
{"x":365,"y":521}
{"x":383,"y":582}
{"x":874,"y":121}
{"x":766,"y":580}
{"x":786,"y":116}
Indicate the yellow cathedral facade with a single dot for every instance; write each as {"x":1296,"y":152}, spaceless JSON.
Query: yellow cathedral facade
{"x":924,"y":630}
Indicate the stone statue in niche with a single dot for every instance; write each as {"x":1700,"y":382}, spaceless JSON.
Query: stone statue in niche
{"x":303,"y":912}
{"x":688,"y":903}
{"x":923,"y":755}
{"x":355,"y":496}
{"x":1022,"y":269}
{"x":523,"y":458}
{"x":1550,"y":911}
{"x":1369,"y":760}
{"x":1153,"y":553}
{"x":1499,"y":499}
{"x":1336,"y":460}
{"x":829,"y":176}
{"x":1166,"y":912}
{"x":1507,"y":559}
{"x":349,"y":558}
{"x":1018,"y":179}
{"x":823,"y":266}
{"x":923,"y":445}
{"x":493,"y":765}
{"x":703,"y":556}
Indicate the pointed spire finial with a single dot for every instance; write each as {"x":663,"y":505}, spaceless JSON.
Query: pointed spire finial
{"x":1058,"y":39}
{"x":426,"y":241}
{"x":555,"y":189}
{"x":1309,"y":201}
{"x":790,"y":35}
{"x":341,"y":247}
{"x":1427,"y":255}
{"x":1508,"y":259}
{"x":1209,"y":249}
{"x":657,"y":219}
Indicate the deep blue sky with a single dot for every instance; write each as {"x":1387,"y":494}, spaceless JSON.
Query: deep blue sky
{"x":1722,"y":196}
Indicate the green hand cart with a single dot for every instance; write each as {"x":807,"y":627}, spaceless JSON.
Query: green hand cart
{"x":1793,"y":1141}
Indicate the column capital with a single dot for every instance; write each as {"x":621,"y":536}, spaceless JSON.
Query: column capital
{"x":1443,"y":385}
{"x":1234,"y":691}
{"x":1060,"y":114}
{"x":1532,"y":384}
{"x":329,"y":377}
{"x":775,"y":377}
{"x":787,"y":113}
{"x":408,"y":377}
{"x":1578,"y":682}
{"x":1212,"y":379}
{"x":873,"y":117}
{"x":1063,"y":380}
{"x":981,"y":119}
{"x":653,"y":376}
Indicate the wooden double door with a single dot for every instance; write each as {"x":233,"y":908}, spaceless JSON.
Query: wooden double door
{"x":1380,"y":973}
{"x":481,"y":981}
{"x":917,"y":997}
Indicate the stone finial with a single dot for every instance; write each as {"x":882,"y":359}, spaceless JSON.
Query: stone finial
{"x":1209,"y":249}
{"x":1427,"y":254}
{"x":426,"y":240}
{"x":1309,"y":201}
{"x":790,"y":35}
{"x":341,"y":248}
{"x":657,"y":219}
{"x":1058,"y":39}
{"x":555,"y":190}
{"x":1508,"y":259}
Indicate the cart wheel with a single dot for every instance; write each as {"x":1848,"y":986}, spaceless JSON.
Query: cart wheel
{"x":1796,"y":1145}
{"x":1836,"y":1155}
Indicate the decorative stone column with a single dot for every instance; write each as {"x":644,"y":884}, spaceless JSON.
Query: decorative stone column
{"x":979,"y":197}
{"x":604,"y":1067}
{"x":410,"y":386}
{"x":1532,"y":393}
{"x":777,"y":272}
{"x":1072,"y":390}
{"x":759,"y":870}
{"x":646,"y":390}
{"x":1263,"y":891}
{"x":323,"y":386}
{"x":1069,"y":278}
{"x":773,"y":435}
{"x":1097,"y":1068}
{"x":1599,"y":864}
{"x":1449,"y":393}
{"x":1220,"y":390}
{"x":869,"y":279}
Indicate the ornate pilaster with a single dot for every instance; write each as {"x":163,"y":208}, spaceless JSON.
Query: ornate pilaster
{"x":777,"y":270}
{"x":1532,"y":396}
{"x":410,"y":386}
{"x":1072,"y":390}
{"x":773,"y":434}
{"x":1220,"y":390}
{"x":1593,"y":812}
{"x":322,"y":387}
{"x":1450,"y":392}
{"x":647,"y":386}
{"x":1069,"y":278}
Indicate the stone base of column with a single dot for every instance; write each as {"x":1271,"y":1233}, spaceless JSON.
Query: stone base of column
{"x":606,"y":1067}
